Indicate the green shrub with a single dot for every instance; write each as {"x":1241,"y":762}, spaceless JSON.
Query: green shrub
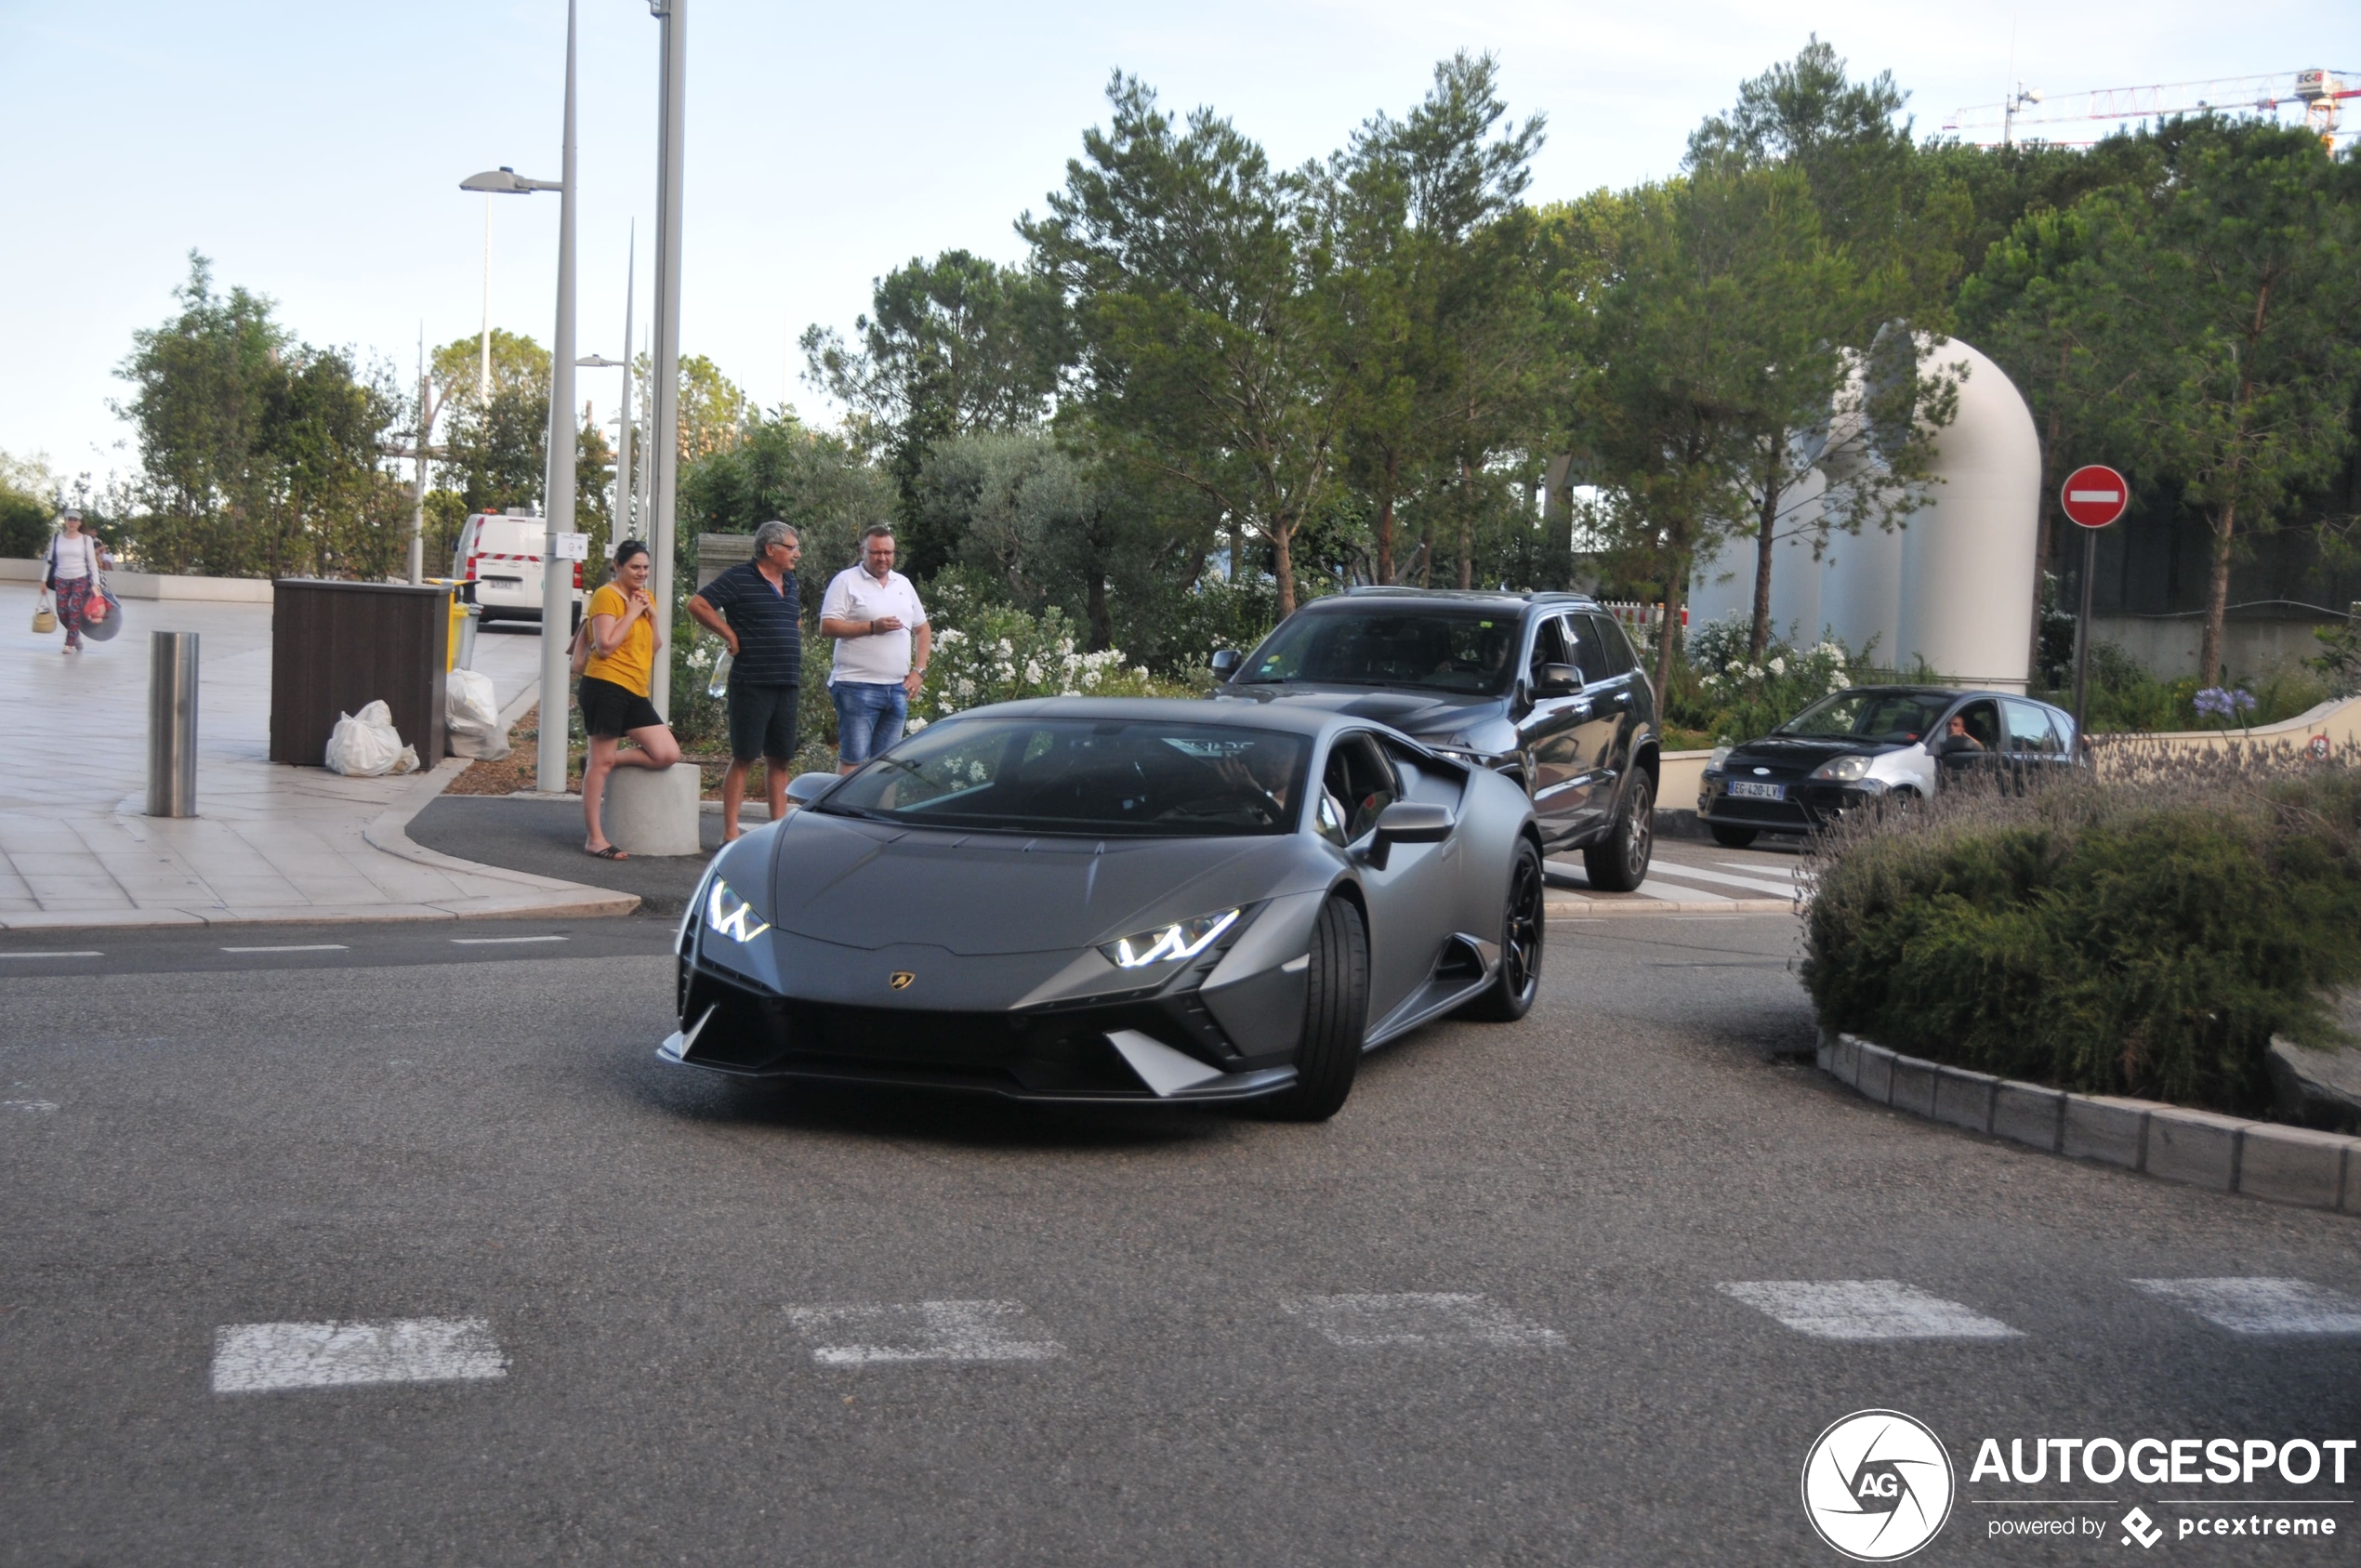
{"x":2141,"y":932}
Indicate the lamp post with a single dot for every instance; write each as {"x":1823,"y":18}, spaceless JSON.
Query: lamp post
{"x":556,"y":584}
{"x":664,"y":437}
{"x":623,"y":431}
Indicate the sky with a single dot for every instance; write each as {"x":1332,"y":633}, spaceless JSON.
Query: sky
{"x":313,"y":151}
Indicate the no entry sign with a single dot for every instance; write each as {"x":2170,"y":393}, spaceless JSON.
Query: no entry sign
{"x":2095,"y":495}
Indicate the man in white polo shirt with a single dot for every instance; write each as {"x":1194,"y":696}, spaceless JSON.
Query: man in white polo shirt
{"x":883,"y":643}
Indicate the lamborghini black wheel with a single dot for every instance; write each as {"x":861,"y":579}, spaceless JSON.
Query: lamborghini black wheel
{"x":1336,"y":1017}
{"x":1510,"y":995}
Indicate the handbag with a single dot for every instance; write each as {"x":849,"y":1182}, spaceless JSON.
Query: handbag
{"x":579,"y":659}
{"x":102,"y":615}
{"x":44,"y":620}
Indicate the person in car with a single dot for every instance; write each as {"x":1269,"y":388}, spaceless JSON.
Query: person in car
{"x":1956,"y":736}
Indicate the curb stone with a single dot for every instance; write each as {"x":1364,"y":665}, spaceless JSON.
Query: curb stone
{"x":2277,"y":1163}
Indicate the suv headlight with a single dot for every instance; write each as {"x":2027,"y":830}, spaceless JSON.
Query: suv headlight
{"x":1843,"y":769}
{"x":729,"y":916}
{"x":1182,"y":939}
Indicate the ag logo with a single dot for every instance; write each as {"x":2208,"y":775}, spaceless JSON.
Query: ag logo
{"x":900,"y":980}
{"x":1877,"y":1486}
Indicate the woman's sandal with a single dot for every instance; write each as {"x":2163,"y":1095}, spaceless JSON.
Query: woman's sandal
{"x":609,"y":853}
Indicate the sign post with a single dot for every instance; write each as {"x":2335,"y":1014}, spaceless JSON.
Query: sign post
{"x":2094,"y":496}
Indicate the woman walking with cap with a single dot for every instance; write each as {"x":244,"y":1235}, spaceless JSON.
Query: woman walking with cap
{"x":621,"y":629}
{"x":75,"y":560}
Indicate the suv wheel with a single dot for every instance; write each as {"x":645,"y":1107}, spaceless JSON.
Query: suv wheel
{"x":1618,"y":862}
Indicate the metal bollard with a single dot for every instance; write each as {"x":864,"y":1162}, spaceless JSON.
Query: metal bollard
{"x":172,"y":724}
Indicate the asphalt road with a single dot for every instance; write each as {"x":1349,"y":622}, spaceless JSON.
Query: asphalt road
{"x":1478,"y":1318}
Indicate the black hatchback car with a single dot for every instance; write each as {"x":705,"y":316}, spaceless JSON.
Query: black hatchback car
{"x":1544,"y":688}
{"x":1875,"y":743}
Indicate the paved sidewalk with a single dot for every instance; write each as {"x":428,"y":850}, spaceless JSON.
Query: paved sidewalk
{"x":270,"y":842}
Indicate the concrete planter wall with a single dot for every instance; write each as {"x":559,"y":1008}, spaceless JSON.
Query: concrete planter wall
{"x":2265,"y":1160}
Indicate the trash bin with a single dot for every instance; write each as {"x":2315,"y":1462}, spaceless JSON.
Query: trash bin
{"x":336,"y":646}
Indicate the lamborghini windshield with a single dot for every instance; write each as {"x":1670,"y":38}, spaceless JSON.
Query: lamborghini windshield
{"x":1470,"y":650}
{"x":1099,"y":776}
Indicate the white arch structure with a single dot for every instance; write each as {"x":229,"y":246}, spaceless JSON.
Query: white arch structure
{"x":1953,"y":587}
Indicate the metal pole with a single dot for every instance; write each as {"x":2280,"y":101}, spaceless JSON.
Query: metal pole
{"x":665,"y":439}
{"x":418,"y":485}
{"x":483,"y":369}
{"x":625,"y":526}
{"x":2082,"y":628}
{"x":644,"y":506}
{"x":172,"y":724}
{"x":557,"y":579}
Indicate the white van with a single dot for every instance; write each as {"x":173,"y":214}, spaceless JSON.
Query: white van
{"x":500,"y":554}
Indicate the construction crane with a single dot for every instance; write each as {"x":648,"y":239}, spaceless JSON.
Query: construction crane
{"x":2319,"y":92}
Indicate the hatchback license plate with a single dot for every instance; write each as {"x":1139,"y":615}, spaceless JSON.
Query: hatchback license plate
{"x":1747,"y":790}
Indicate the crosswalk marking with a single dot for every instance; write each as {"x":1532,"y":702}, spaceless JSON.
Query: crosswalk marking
{"x":1362,"y":1321}
{"x":259,"y":1357}
{"x":2262,"y":1305}
{"x":1864,"y":1310}
{"x":1699,"y":873}
{"x":922,"y":1331}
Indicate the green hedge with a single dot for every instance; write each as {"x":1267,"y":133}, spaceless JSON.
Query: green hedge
{"x":2144,"y":932}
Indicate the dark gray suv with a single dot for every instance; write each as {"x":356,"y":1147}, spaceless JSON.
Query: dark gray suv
{"x":1544,"y":687}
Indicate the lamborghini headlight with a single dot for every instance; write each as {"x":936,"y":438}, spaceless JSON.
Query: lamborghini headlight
{"x":729,"y":916}
{"x":1843,"y":769}
{"x":1182,"y":939}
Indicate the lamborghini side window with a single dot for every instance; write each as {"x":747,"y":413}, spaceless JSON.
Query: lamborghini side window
{"x":1361,"y":782}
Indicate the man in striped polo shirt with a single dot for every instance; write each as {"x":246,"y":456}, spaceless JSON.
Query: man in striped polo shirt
{"x":752,"y":607}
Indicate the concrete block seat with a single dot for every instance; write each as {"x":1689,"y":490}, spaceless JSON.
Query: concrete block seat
{"x":652,"y":810}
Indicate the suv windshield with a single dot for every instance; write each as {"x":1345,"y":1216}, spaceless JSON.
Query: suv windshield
{"x":1106,"y":776}
{"x":1885,"y":718}
{"x":1440,"y":650}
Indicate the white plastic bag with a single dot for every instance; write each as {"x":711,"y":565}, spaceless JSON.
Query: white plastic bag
{"x":363,"y":745}
{"x":472,"y":717}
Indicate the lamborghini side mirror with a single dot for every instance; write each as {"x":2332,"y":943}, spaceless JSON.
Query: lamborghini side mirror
{"x":804,"y":788}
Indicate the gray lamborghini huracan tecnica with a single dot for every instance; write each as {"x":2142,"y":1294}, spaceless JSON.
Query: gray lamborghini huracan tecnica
{"x":1084,"y":898}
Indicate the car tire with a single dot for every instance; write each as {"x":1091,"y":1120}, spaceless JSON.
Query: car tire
{"x":1336,"y":1017}
{"x":1618,"y":862}
{"x":1510,"y":995}
{"x":1732,"y":837}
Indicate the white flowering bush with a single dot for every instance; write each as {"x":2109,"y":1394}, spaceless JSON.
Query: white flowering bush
{"x":998,"y":653}
{"x":1736,"y":699}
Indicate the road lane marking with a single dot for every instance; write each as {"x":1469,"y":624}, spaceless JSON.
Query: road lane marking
{"x":259,"y":1357}
{"x":1365,"y":1321}
{"x":92,"y":953}
{"x":1864,"y":1310}
{"x":923,"y":1331}
{"x":498,"y":942}
{"x":33,"y":1106}
{"x":1772,"y":871}
{"x":2262,"y":1305}
{"x":303,"y":947}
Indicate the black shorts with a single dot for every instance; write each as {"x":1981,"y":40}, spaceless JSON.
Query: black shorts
{"x":611,"y":712}
{"x":762,"y":720}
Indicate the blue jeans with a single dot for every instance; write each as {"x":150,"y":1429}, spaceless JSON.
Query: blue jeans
{"x":869,"y":718}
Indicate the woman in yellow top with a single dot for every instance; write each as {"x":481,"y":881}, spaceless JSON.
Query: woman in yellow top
{"x":623,"y":644}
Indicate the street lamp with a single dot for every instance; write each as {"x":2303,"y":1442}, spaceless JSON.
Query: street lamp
{"x":622,"y":502}
{"x":557,"y":585}
{"x":663,"y":457}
